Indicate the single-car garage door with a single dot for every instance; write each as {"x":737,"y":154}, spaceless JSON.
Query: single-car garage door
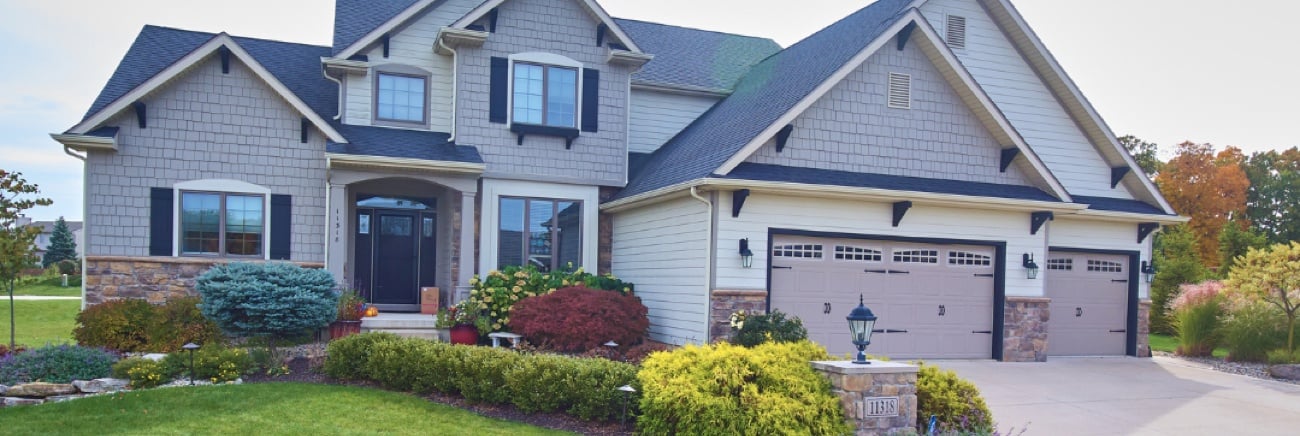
{"x":933,"y":301}
{"x":1089,"y":308}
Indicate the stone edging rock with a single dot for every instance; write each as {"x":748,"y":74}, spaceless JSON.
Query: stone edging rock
{"x":39,"y":392}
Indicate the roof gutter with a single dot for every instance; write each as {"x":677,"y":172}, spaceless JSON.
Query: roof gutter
{"x":1116,"y":216}
{"x":84,"y":143}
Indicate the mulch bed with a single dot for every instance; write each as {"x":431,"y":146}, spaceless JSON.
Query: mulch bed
{"x":301,"y":370}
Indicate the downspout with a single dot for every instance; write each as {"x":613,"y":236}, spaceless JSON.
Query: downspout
{"x":85,"y":223}
{"x":708,"y":259}
{"x":325,"y":73}
{"x":454,"y":81}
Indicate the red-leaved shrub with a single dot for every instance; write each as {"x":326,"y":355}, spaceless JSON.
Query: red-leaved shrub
{"x":576,"y":319}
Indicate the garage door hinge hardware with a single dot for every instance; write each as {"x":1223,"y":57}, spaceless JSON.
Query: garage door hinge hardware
{"x":983,"y":332}
{"x":1119,"y":281}
{"x":782,"y":267}
{"x":897,"y":271}
{"x":888,"y":331}
{"x":1119,"y":331}
{"x":983,"y":275}
{"x":876,"y":271}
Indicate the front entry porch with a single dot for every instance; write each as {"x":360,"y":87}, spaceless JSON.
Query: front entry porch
{"x":395,"y":232}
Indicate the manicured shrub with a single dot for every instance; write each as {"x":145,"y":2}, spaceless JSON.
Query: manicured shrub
{"x":541,"y":384}
{"x":271,"y":300}
{"x":592,"y":392}
{"x":500,"y":290}
{"x":770,"y":327}
{"x":143,"y":373}
{"x":68,"y":266}
{"x":481,"y":376}
{"x":122,"y":325}
{"x":178,"y":322}
{"x":1251,"y":330}
{"x":955,"y":402}
{"x":217,"y":364}
{"x":346,"y":358}
{"x":726,"y":389}
{"x":56,"y":364}
{"x":390,"y":362}
{"x":1196,"y":314}
{"x":577,"y":319}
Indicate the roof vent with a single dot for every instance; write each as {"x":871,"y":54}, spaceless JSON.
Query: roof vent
{"x":956,"y":30}
{"x":900,"y":91}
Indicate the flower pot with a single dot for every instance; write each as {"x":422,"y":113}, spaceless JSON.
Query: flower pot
{"x":339,"y":329}
{"x":464,"y":334}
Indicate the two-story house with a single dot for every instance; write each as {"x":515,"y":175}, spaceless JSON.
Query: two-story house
{"x":928,"y":157}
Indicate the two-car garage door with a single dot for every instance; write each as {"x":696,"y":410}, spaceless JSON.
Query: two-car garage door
{"x":932,"y":300}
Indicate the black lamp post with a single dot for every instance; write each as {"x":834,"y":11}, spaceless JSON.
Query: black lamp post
{"x":861,"y":323}
{"x":746,"y":256}
{"x":1031,"y":268}
{"x":627,"y":394}
{"x":190,"y":347}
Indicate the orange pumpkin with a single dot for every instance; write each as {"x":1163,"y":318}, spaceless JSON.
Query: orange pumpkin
{"x":372,"y":311}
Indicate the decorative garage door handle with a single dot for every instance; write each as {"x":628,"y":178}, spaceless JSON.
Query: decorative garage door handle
{"x":898,"y":271}
{"x":888,"y":331}
{"x":1119,"y":281}
{"x":1119,"y":331}
{"x":942,"y":310}
{"x":826,"y":308}
{"x":983,"y":275}
{"x":876,"y":271}
{"x":782,"y":267}
{"x":983,"y":332}
{"x":1078,"y":311}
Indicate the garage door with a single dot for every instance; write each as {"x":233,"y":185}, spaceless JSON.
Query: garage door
{"x":934,"y":301}
{"x":1089,"y":308}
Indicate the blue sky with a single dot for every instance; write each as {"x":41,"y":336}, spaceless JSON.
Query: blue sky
{"x":1164,"y":70}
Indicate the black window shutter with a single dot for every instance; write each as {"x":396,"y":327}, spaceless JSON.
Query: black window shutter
{"x":160,"y":222}
{"x":498,"y":90}
{"x":590,"y":99}
{"x":281,"y":226}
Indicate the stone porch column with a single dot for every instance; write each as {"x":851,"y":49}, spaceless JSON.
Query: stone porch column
{"x":467,"y":259}
{"x":879,"y":398}
{"x":336,"y":257}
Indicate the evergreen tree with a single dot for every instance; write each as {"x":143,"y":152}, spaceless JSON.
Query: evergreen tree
{"x":1178,"y":262}
{"x":62,"y":245}
{"x":1236,"y":239}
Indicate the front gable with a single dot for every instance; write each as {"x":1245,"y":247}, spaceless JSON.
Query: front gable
{"x":853,"y":128}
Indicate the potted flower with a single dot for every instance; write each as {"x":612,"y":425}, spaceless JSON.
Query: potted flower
{"x":464,"y":322}
{"x":351,"y":308}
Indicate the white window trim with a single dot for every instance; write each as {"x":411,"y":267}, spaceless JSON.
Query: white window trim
{"x":225,"y":186}
{"x":494,"y":189}
{"x":544,"y":59}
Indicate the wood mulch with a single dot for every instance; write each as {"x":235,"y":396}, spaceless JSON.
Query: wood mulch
{"x":301,"y":370}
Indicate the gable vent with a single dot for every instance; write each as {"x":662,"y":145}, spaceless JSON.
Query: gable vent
{"x":956,"y":30}
{"x":900,"y":91}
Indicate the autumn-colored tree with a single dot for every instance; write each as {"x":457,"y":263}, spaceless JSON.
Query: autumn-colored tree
{"x":1273,"y":201}
{"x":1272,"y":276}
{"x":1210,"y":188}
{"x":1144,"y":153}
{"x":16,"y":196}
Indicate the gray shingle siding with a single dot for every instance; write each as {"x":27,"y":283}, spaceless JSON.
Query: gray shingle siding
{"x":852,"y":129}
{"x":206,"y":125}
{"x":564,"y":28}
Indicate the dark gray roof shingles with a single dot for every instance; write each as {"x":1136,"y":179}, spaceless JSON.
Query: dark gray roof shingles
{"x":406,"y":144}
{"x":353,"y":19}
{"x":1118,"y":205}
{"x":695,"y":58}
{"x":813,"y":176}
{"x":767,"y":91}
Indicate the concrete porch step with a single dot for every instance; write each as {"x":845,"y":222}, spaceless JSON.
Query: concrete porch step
{"x":403,"y":321}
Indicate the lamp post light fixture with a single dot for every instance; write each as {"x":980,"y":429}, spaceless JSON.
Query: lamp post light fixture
{"x":746,"y":256}
{"x":627,"y":390}
{"x":190,"y":347}
{"x":861,"y":324}
{"x":1031,"y":268}
{"x":1148,"y":271}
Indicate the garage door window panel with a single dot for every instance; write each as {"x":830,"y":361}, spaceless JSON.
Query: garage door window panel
{"x":1104,"y":266}
{"x":917,"y":256}
{"x":861,"y":254}
{"x":798,"y":251}
{"x":1060,"y":264}
{"x":966,"y":258}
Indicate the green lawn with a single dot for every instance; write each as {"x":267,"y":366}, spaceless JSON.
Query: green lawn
{"x":51,"y":288}
{"x":40,"y":322}
{"x":266,"y":408}
{"x":1169,"y":344}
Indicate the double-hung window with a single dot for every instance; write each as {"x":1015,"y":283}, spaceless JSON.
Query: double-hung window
{"x":222,"y":224}
{"x":545,"y":95}
{"x":400,"y":98}
{"x":545,"y":233}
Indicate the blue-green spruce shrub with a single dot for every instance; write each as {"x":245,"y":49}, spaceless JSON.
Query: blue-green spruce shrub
{"x":271,"y":300}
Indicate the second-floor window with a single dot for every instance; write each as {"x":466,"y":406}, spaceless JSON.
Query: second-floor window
{"x":545,"y":95}
{"x":400,"y":98}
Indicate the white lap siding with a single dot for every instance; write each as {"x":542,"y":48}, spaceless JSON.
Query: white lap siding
{"x":662,"y":249}
{"x":766,"y":211}
{"x":655,"y":117}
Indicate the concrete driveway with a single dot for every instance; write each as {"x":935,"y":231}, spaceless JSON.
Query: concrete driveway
{"x":1114,"y":396}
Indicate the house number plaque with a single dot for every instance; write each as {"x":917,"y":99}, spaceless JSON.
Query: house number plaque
{"x":880,"y":406}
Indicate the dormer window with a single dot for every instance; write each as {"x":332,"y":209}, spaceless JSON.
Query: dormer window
{"x":401,"y":98}
{"x":545,"y":95}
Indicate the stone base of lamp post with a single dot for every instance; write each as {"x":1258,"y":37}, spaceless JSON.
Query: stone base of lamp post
{"x":878,"y":398}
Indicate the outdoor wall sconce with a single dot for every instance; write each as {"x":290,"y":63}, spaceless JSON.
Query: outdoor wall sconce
{"x":746,"y":256}
{"x":1148,"y":271}
{"x":190,"y":347}
{"x":861,"y":325}
{"x":1031,"y":268}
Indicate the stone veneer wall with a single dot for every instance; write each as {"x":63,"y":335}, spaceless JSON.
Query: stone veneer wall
{"x":155,"y":279}
{"x":605,"y":234}
{"x":723,"y":303}
{"x":1144,"y":329}
{"x":854,"y":384}
{"x":1025,"y":329}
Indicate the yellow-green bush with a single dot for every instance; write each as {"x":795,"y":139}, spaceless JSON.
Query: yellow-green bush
{"x":954,"y":401}
{"x":348,"y":356}
{"x":724,"y":389}
{"x":144,"y":373}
